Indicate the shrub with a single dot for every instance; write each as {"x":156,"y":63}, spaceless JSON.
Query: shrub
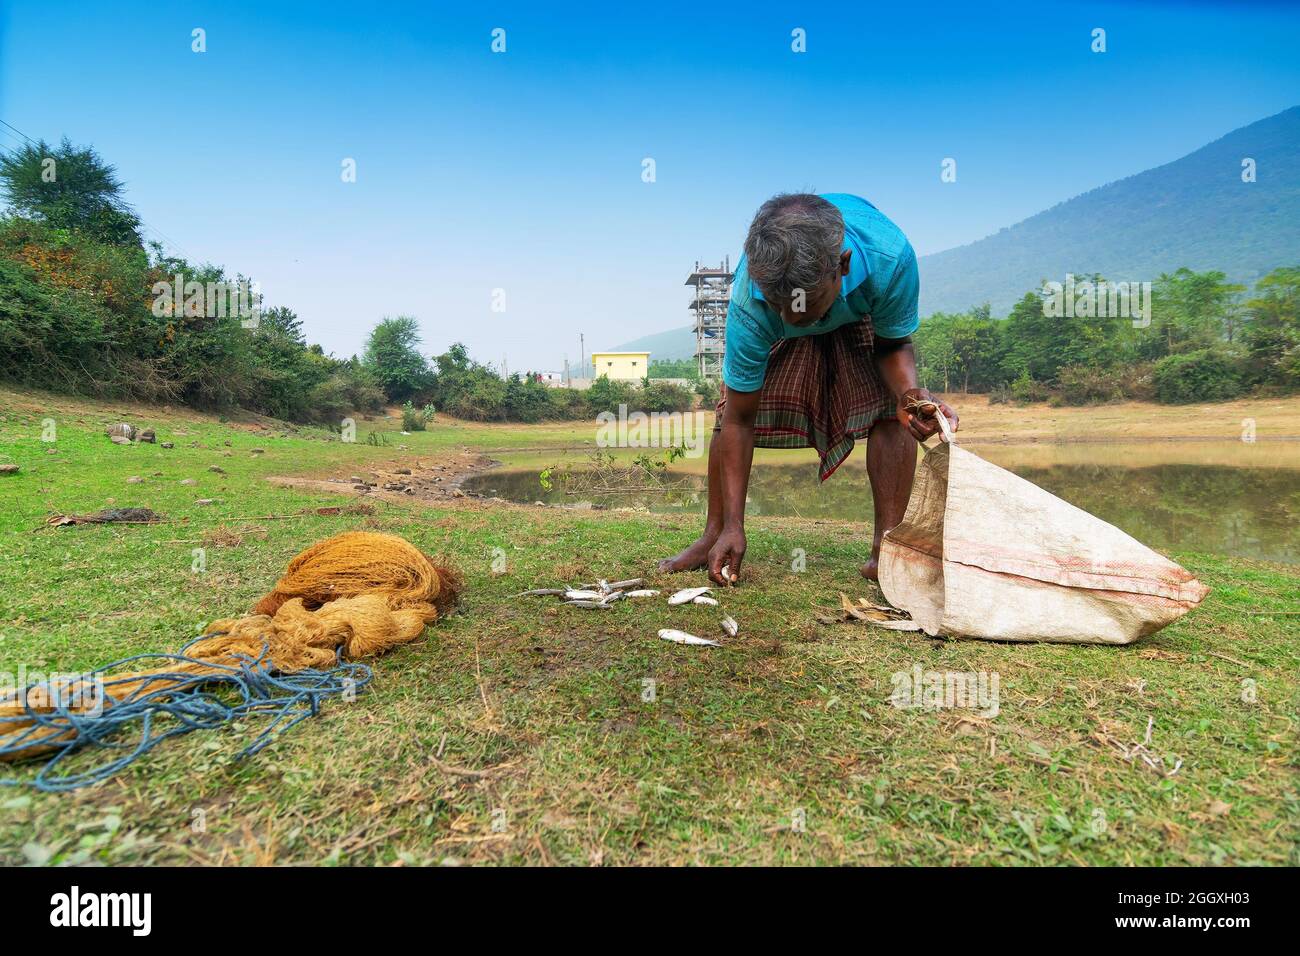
{"x":1205,"y":375}
{"x":1025,"y":389}
{"x":665,"y":397}
{"x":606,"y":396}
{"x":709,"y":392}
{"x":416,"y":419}
{"x":1084,"y":385}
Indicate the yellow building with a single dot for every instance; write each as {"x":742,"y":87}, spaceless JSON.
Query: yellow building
{"x":620,"y":366}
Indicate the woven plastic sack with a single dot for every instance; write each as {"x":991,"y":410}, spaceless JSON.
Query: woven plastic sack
{"x":984,"y":553}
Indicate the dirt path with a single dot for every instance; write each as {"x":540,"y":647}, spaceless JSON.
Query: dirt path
{"x":418,"y":478}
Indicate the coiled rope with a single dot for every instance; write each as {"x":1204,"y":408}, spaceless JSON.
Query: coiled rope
{"x":355,"y":595}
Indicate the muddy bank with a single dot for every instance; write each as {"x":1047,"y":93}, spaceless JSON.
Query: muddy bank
{"x":422,"y":478}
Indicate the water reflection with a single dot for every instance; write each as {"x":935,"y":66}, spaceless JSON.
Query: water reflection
{"x":1244,"y":511}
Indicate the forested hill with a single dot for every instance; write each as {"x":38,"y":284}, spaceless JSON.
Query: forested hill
{"x":1194,"y":212}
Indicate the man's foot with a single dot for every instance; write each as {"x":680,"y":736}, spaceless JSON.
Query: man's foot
{"x":693,"y":558}
{"x":871,"y":570}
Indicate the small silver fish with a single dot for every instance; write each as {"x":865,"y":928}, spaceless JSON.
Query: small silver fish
{"x":603,"y":586}
{"x":578,"y":595}
{"x":644,"y":592}
{"x":687,"y":595}
{"x":630,"y":583}
{"x":681,"y":637}
{"x":537,"y":591}
{"x":613,"y":596}
{"x":705,"y":599}
{"x":726,"y":574}
{"x":730,"y":626}
{"x":600,"y":604}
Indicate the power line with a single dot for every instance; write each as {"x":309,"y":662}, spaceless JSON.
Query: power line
{"x":18,"y":131}
{"x":146,"y":227}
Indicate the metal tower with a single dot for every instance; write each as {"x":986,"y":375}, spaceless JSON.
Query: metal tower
{"x":712,"y":296}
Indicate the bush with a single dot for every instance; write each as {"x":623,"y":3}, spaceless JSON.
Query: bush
{"x":1025,"y":389}
{"x":709,"y":392}
{"x":606,"y":396}
{"x":416,"y":419}
{"x":1001,"y":395}
{"x":1206,"y":375}
{"x":340,"y":395}
{"x":665,"y":397}
{"x":1083,"y":385}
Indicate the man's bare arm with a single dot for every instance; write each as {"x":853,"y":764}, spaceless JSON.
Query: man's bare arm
{"x":735,"y":445}
{"x":896,"y":360}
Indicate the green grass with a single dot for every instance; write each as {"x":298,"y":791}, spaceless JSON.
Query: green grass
{"x":792,"y":717}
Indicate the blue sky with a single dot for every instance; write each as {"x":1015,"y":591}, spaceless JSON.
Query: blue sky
{"x":522,"y":170}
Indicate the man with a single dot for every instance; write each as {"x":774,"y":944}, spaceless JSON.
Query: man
{"x":819,"y":353}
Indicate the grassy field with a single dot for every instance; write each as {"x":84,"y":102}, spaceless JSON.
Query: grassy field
{"x":781,"y":747}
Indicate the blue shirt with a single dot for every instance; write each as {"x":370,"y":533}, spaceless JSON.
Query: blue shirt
{"x":882,"y":283}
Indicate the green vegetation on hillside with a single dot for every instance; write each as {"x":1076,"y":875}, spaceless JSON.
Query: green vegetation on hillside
{"x":1200,"y":342}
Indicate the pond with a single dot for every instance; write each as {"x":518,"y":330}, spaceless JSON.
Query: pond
{"x":1210,"y":496}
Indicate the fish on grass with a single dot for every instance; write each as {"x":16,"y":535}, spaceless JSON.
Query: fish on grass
{"x":730,"y":626}
{"x":686,"y":595}
{"x":681,"y":637}
{"x":705,"y":599}
{"x":578,"y":595}
{"x":640,"y":592}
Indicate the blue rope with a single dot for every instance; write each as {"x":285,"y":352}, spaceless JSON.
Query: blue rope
{"x":191,"y":702}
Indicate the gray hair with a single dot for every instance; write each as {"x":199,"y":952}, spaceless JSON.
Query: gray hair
{"x":794,"y":242}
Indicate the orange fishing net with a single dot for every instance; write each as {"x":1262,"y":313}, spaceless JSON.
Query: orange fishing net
{"x":352,"y":596}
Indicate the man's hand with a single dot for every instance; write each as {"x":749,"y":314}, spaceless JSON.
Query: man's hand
{"x":727,"y":552}
{"x":922,"y":423}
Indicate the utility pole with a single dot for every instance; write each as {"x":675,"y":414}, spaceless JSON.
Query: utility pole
{"x":582,"y":356}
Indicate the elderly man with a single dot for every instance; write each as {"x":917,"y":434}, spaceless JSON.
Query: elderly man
{"x":819,"y":353}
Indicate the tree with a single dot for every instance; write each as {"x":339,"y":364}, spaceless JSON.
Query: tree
{"x":1272,"y":331}
{"x":962,"y":348}
{"x":281,"y":322}
{"x":1040,"y":342}
{"x":69,"y":187}
{"x":393,"y":357}
{"x":1194,"y":310}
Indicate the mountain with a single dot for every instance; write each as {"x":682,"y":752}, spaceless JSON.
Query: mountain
{"x":673,"y":344}
{"x":1194,"y":212}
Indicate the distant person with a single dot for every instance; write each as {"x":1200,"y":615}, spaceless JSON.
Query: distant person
{"x":818,"y":353}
